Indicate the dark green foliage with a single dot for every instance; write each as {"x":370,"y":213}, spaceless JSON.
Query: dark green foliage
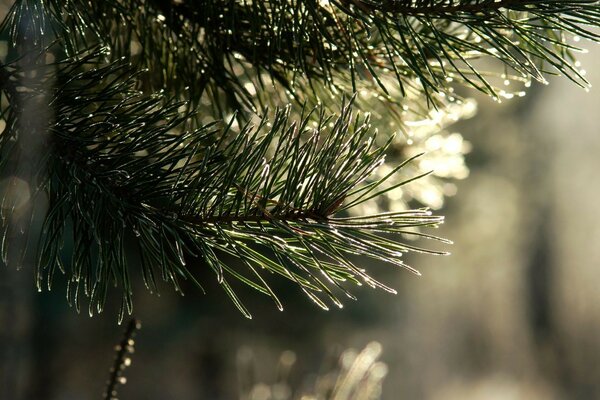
{"x":146,"y":124}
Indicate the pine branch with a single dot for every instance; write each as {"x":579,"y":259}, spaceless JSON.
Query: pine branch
{"x":524,"y":35}
{"x":343,"y":43}
{"x":124,"y":103}
{"x":228,"y":51}
{"x":123,"y":168}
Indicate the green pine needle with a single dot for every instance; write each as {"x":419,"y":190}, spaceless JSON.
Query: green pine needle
{"x":112,"y":115}
{"x":122,"y":170}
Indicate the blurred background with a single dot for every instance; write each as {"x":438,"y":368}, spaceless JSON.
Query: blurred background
{"x":513,"y":313}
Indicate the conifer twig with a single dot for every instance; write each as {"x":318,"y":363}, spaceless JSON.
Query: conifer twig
{"x":122,"y":361}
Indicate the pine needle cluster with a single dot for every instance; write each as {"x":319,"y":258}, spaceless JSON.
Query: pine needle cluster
{"x":158,"y":137}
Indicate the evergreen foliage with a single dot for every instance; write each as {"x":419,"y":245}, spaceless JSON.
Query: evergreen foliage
{"x":356,"y":375}
{"x":217,"y":130}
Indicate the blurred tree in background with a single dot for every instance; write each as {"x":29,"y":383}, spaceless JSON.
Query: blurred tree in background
{"x":149,"y":141}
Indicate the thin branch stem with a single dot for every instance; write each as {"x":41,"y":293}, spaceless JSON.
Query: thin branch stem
{"x":443,"y":8}
{"x":228,"y":219}
{"x":124,"y":348}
